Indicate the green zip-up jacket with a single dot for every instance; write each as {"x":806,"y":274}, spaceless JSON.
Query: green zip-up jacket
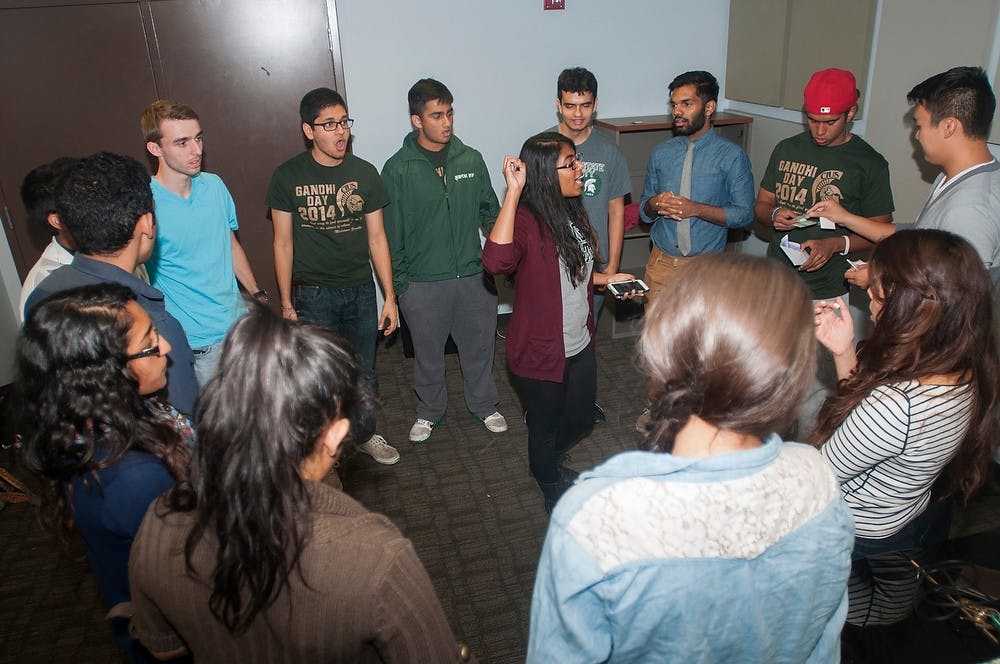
{"x":433,"y":224}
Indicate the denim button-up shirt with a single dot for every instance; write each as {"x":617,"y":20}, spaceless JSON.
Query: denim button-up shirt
{"x":720,"y":176}
{"x":739,"y":557}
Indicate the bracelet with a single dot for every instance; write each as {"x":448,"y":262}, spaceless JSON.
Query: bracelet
{"x":774,"y":213}
{"x":288,"y":308}
{"x":847,"y":245}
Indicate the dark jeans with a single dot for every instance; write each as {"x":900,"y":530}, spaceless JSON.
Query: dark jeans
{"x":929,"y":526}
{"x":558,"y":414}
{"x":351,"y":312}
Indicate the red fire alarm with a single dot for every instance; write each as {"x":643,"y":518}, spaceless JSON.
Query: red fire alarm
{"x":555,"y":4}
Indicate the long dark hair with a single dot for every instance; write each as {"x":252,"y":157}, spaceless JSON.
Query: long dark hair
{"x":77,"y":407}
{"x":278,"y":387}
{"x":936,"y":319}
{"x":544,"y":198}
{"x":731,"y":341}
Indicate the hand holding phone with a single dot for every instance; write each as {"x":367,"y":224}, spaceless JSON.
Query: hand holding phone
{"x":626,"y":288}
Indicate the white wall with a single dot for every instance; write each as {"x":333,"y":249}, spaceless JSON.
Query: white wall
{"x":501,"y":60}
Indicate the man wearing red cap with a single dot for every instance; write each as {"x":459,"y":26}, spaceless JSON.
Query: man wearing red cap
{"x":826,"y":162}
{"x":952,"y":114}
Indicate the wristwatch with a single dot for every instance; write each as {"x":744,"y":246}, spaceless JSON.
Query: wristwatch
{"x":262,"y":296}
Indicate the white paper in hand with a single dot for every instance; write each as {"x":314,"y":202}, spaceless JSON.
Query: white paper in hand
{"x":794,"y":251}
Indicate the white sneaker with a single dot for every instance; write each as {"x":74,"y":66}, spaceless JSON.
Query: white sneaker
{"x":381,"y":451}
{"x":495,"y":422}
{"x":421,"y":430}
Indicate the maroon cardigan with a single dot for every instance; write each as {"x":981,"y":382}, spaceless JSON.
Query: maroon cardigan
{"x":535,"y":337}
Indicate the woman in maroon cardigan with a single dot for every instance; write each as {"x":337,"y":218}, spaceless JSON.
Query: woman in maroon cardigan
{"x":543,"y":238}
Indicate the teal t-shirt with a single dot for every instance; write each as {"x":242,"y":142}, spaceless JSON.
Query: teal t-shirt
{"x":801,"y":173}
{"x":192,"y":261}
{"x":328,"y":206}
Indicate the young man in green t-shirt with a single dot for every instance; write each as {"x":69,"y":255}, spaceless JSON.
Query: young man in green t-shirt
{"x":326,"y":207}
{"x":827,"y":161}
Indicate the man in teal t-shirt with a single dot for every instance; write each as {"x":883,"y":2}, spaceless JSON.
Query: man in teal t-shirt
{"x":197,"y":258}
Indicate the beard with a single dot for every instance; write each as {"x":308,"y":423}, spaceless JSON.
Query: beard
{"x":693,"y":127}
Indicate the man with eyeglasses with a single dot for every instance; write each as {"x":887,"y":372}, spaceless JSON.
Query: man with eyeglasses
{"x":326,"y":207}
{"x":698,"y":186}
{"x":197,"y":258}
{"x":605,"y":173}
{"x":441,"y":197}
{"x":105,"y":202}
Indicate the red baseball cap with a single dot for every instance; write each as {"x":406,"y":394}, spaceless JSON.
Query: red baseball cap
{"x":831,"y":91}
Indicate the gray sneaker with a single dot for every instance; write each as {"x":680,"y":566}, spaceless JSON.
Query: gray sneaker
{"x":381,"y":451}
{"x":495,"y":422}
{"x":421,"y":430}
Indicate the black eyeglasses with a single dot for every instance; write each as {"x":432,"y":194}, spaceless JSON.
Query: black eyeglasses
{"x":146,"y":352}
{"x":330,"y":125}
{"x":577,"y":160}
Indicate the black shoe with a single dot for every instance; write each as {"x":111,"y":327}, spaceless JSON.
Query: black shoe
{"x":600,"y":417}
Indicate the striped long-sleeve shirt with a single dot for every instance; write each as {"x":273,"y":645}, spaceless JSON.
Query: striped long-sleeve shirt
{"x":891,"y":448}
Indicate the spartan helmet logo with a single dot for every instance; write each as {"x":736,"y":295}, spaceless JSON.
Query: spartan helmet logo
{"x":347,"y":200}
{"x":591,"y":185}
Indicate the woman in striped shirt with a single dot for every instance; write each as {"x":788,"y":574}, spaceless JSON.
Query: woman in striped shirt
{"x":921,"y":392}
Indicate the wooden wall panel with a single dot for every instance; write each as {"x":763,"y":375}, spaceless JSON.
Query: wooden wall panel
{"x":244,"y":66}
{"x":72,"y":78}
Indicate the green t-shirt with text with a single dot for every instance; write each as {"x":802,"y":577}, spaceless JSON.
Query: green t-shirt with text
{"x":328,"y":206}
{"x":801,"y":173}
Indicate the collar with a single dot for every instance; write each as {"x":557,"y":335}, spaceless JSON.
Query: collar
{"x":653,"y":464}
{"x":107,"y":272}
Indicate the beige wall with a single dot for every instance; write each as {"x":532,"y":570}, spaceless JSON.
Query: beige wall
{"x":917,"y":39}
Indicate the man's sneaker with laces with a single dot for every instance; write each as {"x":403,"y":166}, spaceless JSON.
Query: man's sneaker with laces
{"x":421,"y":430}
{"x":495,"y":422}
{"x":381,"y":451}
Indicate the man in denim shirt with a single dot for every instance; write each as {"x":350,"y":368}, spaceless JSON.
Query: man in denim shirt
{"x":692,"y":216}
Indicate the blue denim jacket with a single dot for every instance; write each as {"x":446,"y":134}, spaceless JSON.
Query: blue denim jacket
{"x":740,"y":557}
{"x":720,"y":176}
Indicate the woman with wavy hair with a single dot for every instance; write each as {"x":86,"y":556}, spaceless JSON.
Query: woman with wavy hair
{"x":920,"y":394}
{"x":255,"y":558}
{"x":657,"y":554}
{"x":90,"y":361}
{"x":542,"y":238}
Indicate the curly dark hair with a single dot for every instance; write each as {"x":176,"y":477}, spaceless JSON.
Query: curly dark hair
{"x":544,"y":198}
{"x":100,"y":199}
{"x":936,"y":319}
{"x":731,"y":341}
{"x":77,"y":407}
{"x":278,"y":387}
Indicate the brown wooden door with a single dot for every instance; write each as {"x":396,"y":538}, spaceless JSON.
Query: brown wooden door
{"x":244,"y":66}
{"x":72,"y":79}
{"x":75,"y":79}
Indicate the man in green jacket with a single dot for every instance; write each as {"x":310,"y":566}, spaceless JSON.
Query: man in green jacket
{"x":441,"y":196}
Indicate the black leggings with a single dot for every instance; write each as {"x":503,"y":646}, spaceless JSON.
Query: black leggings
{"x":558,"y":414}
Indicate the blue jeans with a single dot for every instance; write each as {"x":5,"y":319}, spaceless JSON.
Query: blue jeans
{"x":351,"y":312}
{"x":206,"y":359}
